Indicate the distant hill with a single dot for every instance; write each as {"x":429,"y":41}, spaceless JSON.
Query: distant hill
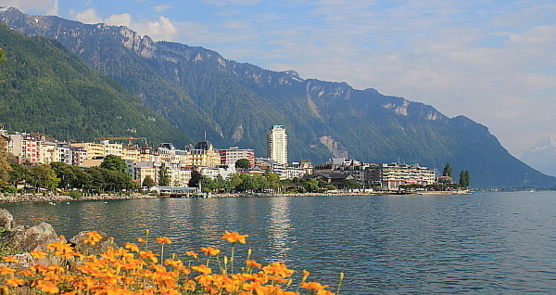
{"x":46,"y":89}
{"x":199,"y":91}
{"x":542,"y":156}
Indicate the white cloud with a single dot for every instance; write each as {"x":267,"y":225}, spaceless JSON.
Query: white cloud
{"x":232,"y":2}
{"x":89,"y":16}
{"x":161,"y":29}
{"x":48,"y":7}
{"x":162,"y":8}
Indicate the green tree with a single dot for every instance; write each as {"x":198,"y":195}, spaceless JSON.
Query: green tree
{"x":464,"y":179}
{"x":70,"y":176}
{"x":148,"y":182}
{"x":195,"y":179}
{"x":4,"y":165}
{"x":19,"y":174}
{"x":114,"y":163}
{"x":164,"y":178}
{"x":273,"y":180}
{"x":447,"y":170}
{"x":349,"y":184}
{"x":312,"y":185}
{"x":97,"y":179}
{"x":44,"y":177}
{"x":243,"y":164}
{"x":235,"y":180}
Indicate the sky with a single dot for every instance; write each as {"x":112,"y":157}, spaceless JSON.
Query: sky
{"x":493,"y":61}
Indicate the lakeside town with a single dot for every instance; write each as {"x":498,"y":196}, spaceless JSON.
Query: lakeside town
{"x":168,"y":169}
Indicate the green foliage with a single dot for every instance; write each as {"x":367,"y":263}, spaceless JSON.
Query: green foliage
{"x":148,"y":182}
{"x":164,"y":175}
{"x":42,"y":176}
{"x":114,"y":163}
{"x":196,"y":177}
{"x":243,"y":164}
{"x":447,"y":170}
{"x":349,"y":184}
{"x":47,"y":90}
{"x":464,"y":178}
{"x":4,"y":165}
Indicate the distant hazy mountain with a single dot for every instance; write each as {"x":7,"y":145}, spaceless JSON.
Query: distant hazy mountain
{"x":542,"y":156}
{"x":198,"y":90}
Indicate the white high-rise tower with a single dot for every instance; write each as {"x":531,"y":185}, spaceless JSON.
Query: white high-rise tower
{"x":277,"y":144}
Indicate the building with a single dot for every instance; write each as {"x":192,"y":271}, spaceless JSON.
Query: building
{"x":277,"y":144}
{"x":233,"y":154}
{"x":25,"y":147}
{"x":203,"y":154}
{"x":391,"y":176}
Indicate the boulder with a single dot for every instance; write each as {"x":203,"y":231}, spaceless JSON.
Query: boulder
{"x":88,"y":249}
{"x":28,"y":239}
{"x":6,"y":219}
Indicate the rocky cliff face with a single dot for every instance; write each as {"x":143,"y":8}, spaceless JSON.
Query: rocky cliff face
{"x":200,"y":91}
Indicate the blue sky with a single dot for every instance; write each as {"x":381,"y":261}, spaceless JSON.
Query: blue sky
{"x":492,"y":61}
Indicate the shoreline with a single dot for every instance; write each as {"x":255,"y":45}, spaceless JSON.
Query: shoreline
{"x":53,"y":198}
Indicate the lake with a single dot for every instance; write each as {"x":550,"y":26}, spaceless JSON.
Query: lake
{"x":491,"y":243}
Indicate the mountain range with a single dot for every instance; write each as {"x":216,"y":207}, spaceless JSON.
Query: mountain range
{"x":542,"y":156}
{"x":200,"y":93}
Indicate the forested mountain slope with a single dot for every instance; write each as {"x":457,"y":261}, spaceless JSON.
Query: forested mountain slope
{"x":199,"y":91}
{"x":46,"y":89}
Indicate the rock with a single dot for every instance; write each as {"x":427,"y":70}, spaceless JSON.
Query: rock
{"x":88,"y":249}
{"x":29,"y":239}
{"x":6,"y":219}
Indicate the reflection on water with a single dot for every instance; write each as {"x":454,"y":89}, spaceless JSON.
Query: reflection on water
{"x":279,"y":226}
{"x":490,"y":243}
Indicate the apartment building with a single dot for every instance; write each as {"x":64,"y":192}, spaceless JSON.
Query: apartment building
{"x":231,"y":155}
{"x":391,"y":176}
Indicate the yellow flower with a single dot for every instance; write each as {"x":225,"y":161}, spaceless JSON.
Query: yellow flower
{"x":210,"y":251}
{"x":141,"y":240}
{"x":163,"y":240}
{"x":233,"y":237}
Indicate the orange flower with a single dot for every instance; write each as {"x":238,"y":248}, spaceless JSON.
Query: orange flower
{"x":14,"y":282}
{"x":94,"y":237}
{"x":38,"y":254}
{"x":4,"y":270}
{"x":48,"y":287}
{"x":10,"y":259}
{"x":202,"y":269}
{"x":210,"y":251}
{"x":233,"y":237}
{"x":314,"y":286}
{"x":163,"y":240}
{"x":132,"y":247}
{"x":192,"y":254}
{"x":253,"y":263}
{"x":141,"y":240}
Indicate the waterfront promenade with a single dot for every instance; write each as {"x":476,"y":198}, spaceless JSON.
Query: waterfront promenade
{"x":40,"y":197}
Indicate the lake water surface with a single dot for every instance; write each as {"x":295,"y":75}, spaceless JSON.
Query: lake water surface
{"x":492,"y":243}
